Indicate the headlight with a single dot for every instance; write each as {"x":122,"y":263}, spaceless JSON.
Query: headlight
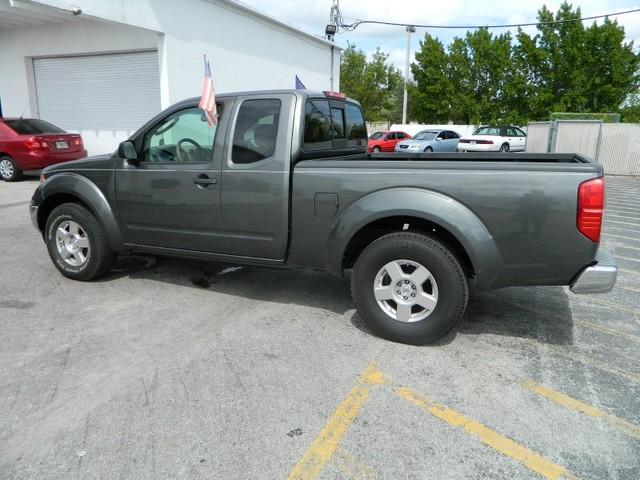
{"x":414,"y":146}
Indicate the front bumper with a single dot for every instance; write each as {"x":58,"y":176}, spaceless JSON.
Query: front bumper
{"x":597,"y":278}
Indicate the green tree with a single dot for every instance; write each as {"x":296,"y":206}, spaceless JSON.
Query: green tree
{"x":376,"y":84}
{"x":564,"y":67}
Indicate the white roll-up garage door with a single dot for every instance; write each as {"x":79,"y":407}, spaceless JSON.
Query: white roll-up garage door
{"x":111,"y":92}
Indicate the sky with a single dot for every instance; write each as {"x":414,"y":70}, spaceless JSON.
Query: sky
{"x":313,"y":15}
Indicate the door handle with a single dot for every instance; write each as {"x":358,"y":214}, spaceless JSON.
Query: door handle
{"x":203,"y":181}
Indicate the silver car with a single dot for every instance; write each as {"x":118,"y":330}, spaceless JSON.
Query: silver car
{"x":430,"y":141}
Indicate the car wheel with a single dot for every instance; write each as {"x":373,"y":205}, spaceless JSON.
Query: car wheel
{"x":376,"y":150}
{"x":409,"y":288}
{"x":504,"y":148}
{"x":9,"y":171}
{"x":77,"y":243}
{"x":428,"y":150}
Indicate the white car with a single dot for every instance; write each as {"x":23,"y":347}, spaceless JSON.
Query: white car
{"x":494,"y":139}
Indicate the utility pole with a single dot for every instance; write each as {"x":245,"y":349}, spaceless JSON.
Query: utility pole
{"x":410,"y":30}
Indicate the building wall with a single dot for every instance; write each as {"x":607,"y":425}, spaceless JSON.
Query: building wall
{"x":19,"y":45}
{"x":246,"y":51}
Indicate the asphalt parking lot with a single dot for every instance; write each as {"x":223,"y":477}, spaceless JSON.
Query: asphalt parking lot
{"x":173,"y":369}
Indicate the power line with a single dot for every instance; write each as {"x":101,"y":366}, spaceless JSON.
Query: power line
{"x":336,"y":17}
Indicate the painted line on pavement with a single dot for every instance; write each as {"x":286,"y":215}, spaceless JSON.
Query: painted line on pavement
{"x":329,"y":438}
{"x":493,"y":439}
{"x":350,"y":466}
{"x":578,"y":406}
{"x":608,"y":331}
{"x":627,"y":258}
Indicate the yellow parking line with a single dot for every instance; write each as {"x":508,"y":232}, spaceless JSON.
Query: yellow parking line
{"x":579,"y":357}
{"x":502,"y":444}
{"x":631,"y":289}
{"x":578,"y":406}
{"x":350,"y":466}
{"x":329,"y":438}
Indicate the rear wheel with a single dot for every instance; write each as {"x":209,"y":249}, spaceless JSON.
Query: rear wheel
{"x":505,"y":148}
{"x":409,"y":288}
{"x":77,"y":243}
{"x":9,"y":171}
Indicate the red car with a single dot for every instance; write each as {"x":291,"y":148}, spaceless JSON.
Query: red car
{"x":32,"y":144}
{"x":386,"y":141}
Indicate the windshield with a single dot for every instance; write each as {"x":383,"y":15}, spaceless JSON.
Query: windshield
{"x":376,"y":136}
{"x":487,"y":131}
{"x":426,"y":135}
{"x":31,"y":126}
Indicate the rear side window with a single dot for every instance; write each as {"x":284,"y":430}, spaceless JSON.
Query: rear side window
{"x":317,"y":125}
{"x":324,"y":125}
{"x":356,"y":128}
{"x":32,"y":126}
{"x":256,"y":130}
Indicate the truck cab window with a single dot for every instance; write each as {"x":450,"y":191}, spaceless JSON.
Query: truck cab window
{"x":317,"y":125}
{"x":183,"y":136}
{"x":256,"y":130}
{"x":355,"y":126}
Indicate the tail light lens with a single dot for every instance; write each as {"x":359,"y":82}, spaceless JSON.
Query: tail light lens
{"x":484,"y":142}
{"x":591,"y":208}
{"x":34,"y":144}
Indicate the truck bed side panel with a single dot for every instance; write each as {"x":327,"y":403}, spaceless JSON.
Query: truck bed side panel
{"x":529,"y":209}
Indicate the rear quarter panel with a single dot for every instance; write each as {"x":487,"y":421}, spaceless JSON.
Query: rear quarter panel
{"x":528,"y":210}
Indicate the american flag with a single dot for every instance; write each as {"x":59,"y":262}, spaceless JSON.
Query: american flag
{"x":299,"y":84}
{"x":208,"y":97}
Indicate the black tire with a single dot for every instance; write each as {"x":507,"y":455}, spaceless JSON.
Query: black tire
{"x":428,"y":150}
{"x":376,"y":150}
{"x":12,"y":173}
{"x":99,"y":257}
{"x":446,"y":270}
{"x":505,"y":148}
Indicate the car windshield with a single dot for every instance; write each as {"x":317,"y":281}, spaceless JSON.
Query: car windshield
{"x":487,"y":131}
{"x":426,"y":135}
{"x":376,"y":136}
{"x":32,"y":126}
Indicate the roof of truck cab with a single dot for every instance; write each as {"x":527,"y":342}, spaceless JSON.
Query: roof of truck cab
{"x":299,"y":93}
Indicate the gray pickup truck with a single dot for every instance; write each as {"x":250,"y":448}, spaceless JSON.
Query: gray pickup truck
{"x":284,"y":180}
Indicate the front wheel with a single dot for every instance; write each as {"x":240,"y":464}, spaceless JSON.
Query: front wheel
{"x":409,"y":288}
{"x":77,"y":243}
{"x":376,"y":150}
{"x":9,"y":171}
{"x":428,"y":150}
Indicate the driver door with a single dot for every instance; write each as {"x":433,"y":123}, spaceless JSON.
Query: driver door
{"x":171,"y":198}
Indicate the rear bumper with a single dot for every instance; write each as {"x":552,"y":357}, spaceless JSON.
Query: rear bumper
{"x":598,"y":278}
{"x":37,"y":160}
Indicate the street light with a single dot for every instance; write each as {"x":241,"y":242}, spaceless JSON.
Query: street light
{"x":410,"y":30}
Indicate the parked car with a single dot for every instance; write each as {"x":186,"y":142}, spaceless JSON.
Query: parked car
{"x":32,"y":144}
{"x":273,"y":185}
{"x":494,"y":139}
{"x":430,"y":141}
{"x":386,"y":141}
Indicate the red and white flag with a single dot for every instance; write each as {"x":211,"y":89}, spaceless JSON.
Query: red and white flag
{"x":208,"y":97}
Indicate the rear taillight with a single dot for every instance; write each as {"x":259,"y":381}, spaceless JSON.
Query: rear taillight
{"x":484,"y":142}
{"x":77,"y":142}
{"x":35,"y":144}
{"x":591,"y":208}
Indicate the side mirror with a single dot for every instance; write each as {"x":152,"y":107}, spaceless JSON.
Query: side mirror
{"x":438,"y":139}
{"x":128,"y":150}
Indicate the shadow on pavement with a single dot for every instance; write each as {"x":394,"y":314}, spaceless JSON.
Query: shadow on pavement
{"x":539,"y":313}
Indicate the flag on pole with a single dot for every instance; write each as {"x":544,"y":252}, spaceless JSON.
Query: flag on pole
{"x":208,"y":97}
{"x":299,"y":84}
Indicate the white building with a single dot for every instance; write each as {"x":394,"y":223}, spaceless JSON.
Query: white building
{"x":103,"y":67}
